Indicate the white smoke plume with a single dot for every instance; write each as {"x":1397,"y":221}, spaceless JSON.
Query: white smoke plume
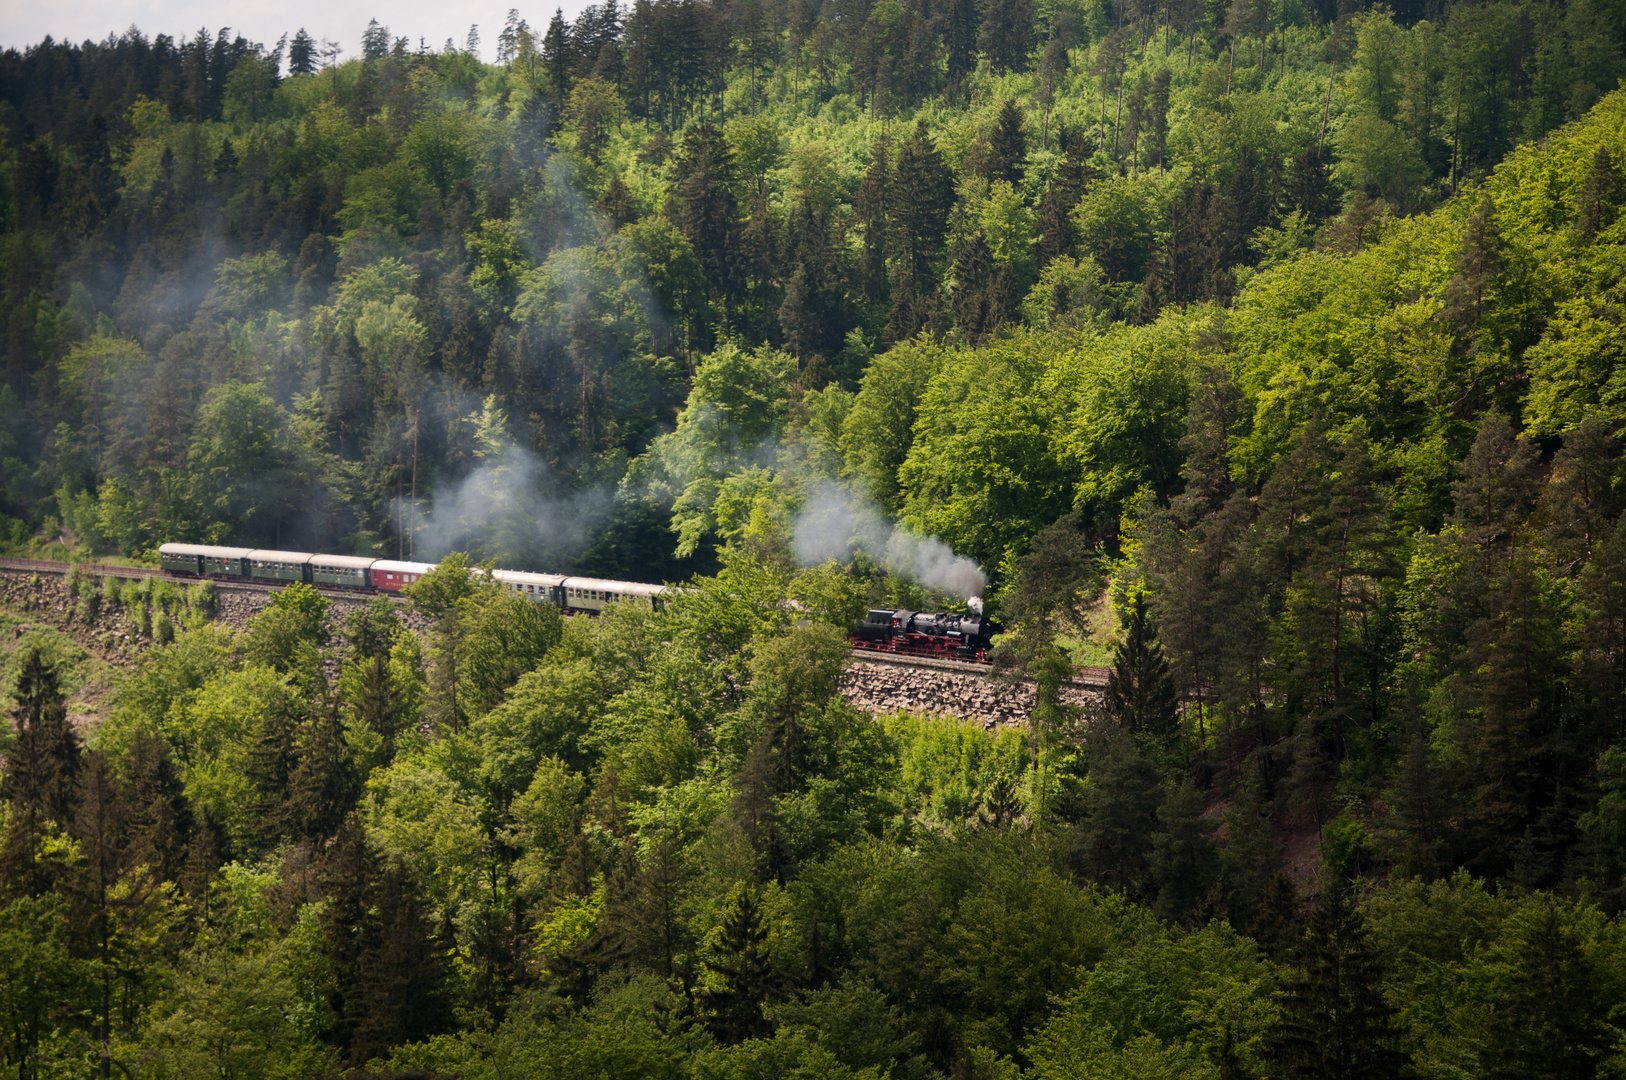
{"x":835,"y":524}
{"x":512,"y":509}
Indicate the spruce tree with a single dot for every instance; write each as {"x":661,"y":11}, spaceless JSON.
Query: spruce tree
{"x":617,"y":206}
{"x":1598,"y":200}
{"x":1555,"y":1025}
{"x":1007,"y":146}
{"x":1119,"y":813}
{"x":270,"y":768}
{"x":1498,"y":486}
{"x":302,"y":54}
{"x":921,"y":196}
{"x":1334,"y":1022}
{"x":42,"y":766}
{"x":323,"y":787}
{"x":1139,"y":693}
{"x":973,"y":269}
{"x":401,"y":996}
{"x":1184,"y":859}
{"x":1480,"y":262}
{"x":748,"y":977}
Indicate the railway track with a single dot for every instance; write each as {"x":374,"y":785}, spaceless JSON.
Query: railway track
{"x":1089,"y":676}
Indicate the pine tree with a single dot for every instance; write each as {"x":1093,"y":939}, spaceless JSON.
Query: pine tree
{"x":1498,"y":486}
{"x":617,"y":205}
{"x":1480,"y":261}
{"x":271,"y":766}
{"x":1554,"y":1025}
{"x":401,"y":994}
{"x":322,"y":789}
{"x":746,"y":970}
{"x":1334,"y":1020}
{"x":973,"y":269}
{"x":42,"y":766}
{"x":1184,"y":859}
{"x":302,"y":54}
{"x":1139,"y":693}
{"x":1598,"y":200}
{"x":921,"y":196}
{"x":1007,"y":146}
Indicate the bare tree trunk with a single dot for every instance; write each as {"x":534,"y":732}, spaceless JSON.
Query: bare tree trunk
{"x":1325,"y":109}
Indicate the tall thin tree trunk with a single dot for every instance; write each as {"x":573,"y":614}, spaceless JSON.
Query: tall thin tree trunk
{"x":1118,"y":118}
{"x":1231,"y":70}
{"x":1325,"y":109}
{"x":1456,"y":139}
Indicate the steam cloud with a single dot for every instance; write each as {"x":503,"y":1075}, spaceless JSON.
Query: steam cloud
{"x":838,"y":525}
{"x":503,"y":510}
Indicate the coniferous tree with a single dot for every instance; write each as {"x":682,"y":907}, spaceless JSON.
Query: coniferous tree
{"x":1334,"y":1021}
{"x":322,"y":788}
{"x":1480,"y":261}
{"x":349,"y":876}
{"x":1184,"y":860}
{"x":401,"y":996}
{"x":42,"y":767}
{"x":749,"y":978}
{"x":302,"y":54}
{"x":1119,"y":813}
{"x":1498,"y":486}
{"x":1599,"y":197}
{"x":1007,"y":34}
{"x":157,"y":814}
{"x":921,"y":195}
{"x":271,"y":767}
{"x":1553,"y":1025}
{"x":1140,"y":694}
{"x":973,"y":270}
{"x":1007,"y":145}
{"x":618,"y":205}
{"x":964,"y":24}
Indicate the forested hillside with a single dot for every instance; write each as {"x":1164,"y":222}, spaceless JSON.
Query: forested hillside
{"x":1269,"y":353}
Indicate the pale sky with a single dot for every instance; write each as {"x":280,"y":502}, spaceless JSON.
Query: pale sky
{"x":26,"y":22}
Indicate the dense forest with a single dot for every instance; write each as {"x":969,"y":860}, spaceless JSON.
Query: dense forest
{"x":1263,"y":352}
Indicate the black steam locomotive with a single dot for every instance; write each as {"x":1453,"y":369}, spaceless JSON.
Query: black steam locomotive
{"x":941,"y":635}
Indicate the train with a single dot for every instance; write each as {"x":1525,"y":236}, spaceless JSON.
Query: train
{"x":941,"y":634}
{"x":361,"y":574}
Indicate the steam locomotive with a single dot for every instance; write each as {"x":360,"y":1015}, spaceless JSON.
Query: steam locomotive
{"x":940,"y":635}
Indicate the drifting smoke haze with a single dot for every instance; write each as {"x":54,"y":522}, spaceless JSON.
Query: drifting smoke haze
{"x":835,"y":524}
{"x":510,"y":509}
